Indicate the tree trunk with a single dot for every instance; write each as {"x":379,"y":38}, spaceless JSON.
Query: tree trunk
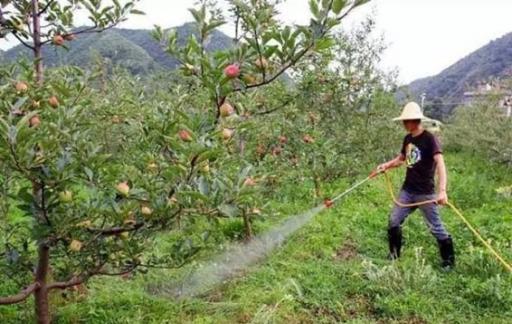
{"x":42,"y":308}
{"x":241,"y":146}
{"x":318,"y":186}
{"x":41,"y":293}
{"x":247,"y":225}
{"x":36,"y":37}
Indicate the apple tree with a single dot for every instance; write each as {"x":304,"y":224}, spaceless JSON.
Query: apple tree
{"x":264,"y":51}
{"x":61,"y":217}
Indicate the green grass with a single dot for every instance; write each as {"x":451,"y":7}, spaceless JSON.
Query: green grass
{"x":335,"y":268}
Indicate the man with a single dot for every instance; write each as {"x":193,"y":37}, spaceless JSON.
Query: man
{"x":422,"y":154}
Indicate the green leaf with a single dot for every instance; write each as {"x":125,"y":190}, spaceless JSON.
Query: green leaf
{"x":313,"y":7}
{"x":323,"y":44}
{"x":203,"y":186}
{"x":337,"y":6}
{"x":197,"y":15}
{"x":137,"y":12}
{"x":12,"y":134}
{"x":360,"y":2}
{"x":19,"y":103}
{"x":229,"y":210}
{"x":193,"y":195}
{"x":89,"y":173}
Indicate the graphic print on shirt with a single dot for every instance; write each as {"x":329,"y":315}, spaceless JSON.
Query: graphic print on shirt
{"x":412,"y":155}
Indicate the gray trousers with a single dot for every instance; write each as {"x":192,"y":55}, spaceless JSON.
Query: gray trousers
{"x":430,"y":214}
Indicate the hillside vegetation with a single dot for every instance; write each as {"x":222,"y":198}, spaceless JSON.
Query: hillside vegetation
{"x":135,"y":50}
{"x":447,"y":88}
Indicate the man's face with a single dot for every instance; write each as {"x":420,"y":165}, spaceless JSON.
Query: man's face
{"x":411,"y":125}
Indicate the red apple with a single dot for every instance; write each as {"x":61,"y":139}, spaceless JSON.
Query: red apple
{"x":185,"y":135}
{"x":172,"y":201}
{"x":227,"y":133}
{"x":232,"y":71}
{"x":249,"y":182}
{"x":70,"y":37}
{"x":226,"y":110}
{"x":152,"y":166}
{"x":308,"y":139}
{"x":261,"y":149}
{"x":276,"y":151}
{"x":21,"y":86}
{"x":123,"y":188}
{"x":58,"y":40}
{"x":261,"y":63}
{"x":35,"y":121}
{"x":116,"y":120}
{"x":130,"y":221}
{"x":75,"y":246}
{"x":146,"y":211}
{"x":54,"y":101}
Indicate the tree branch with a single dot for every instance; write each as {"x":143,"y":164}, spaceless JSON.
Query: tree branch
{"x":43,"y":10}
{"x":43,"y":204}
{"x":89,"y":30}
{"x":80,"y":279}
{"x":75,"y":281}
{"x":299,"y":56}
{"x":260,"y":54}
{"x":120,"y":273}
{"x":18,"y":164}
{"x":3,"y":22}
{"x":280,"y":72}
{"x":115,"y":230}
{"x":24,"y":294}
{"x":266,"y":112}
{"x":22,"y":41}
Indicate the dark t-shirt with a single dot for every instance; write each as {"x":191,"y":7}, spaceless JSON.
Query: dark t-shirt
{"x":419,"y":155}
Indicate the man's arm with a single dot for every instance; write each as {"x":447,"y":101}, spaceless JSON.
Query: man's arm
{"x":442,"y":197}
{"x":396,"y":162}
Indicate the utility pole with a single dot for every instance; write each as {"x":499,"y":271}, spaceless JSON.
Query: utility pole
{"x":423,"y":97}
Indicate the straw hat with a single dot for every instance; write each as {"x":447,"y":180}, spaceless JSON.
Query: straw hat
{"x":411,"y":111}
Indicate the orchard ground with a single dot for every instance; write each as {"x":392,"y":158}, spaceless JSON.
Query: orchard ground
{"x":335,"y":268}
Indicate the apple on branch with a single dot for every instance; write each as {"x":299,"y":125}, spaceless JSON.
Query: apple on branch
{"x":58,"y":40}
{"x":232,"y":71}
{"x":21,"y":86}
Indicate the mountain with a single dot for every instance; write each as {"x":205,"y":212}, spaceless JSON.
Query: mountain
{"x":134,"y":49}
{"x":445,"y":90}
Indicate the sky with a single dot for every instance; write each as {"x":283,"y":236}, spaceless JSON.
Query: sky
{"x":423,"y":36}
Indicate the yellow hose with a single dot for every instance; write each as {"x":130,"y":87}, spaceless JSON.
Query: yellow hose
{"x":457,"y":212}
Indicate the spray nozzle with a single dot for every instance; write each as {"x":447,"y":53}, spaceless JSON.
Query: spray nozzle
{"x":328,"y":203}
{"x":377,"y":171}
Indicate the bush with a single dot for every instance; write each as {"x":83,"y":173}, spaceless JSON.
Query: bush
{"x":482,"y":129}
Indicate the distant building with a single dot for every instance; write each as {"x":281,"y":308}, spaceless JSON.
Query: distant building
{"x":495,"y":89}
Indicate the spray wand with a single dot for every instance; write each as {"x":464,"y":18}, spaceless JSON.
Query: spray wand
{"x":328,"y":203}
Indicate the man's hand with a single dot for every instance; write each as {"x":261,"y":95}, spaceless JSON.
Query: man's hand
{"x":442,"y":198}
{"x":396,"y":162}
{"x":380,"y":169}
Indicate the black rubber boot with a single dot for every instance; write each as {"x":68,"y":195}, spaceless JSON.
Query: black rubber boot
{"x":395,"y":242}
{"x":447,"y":253}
